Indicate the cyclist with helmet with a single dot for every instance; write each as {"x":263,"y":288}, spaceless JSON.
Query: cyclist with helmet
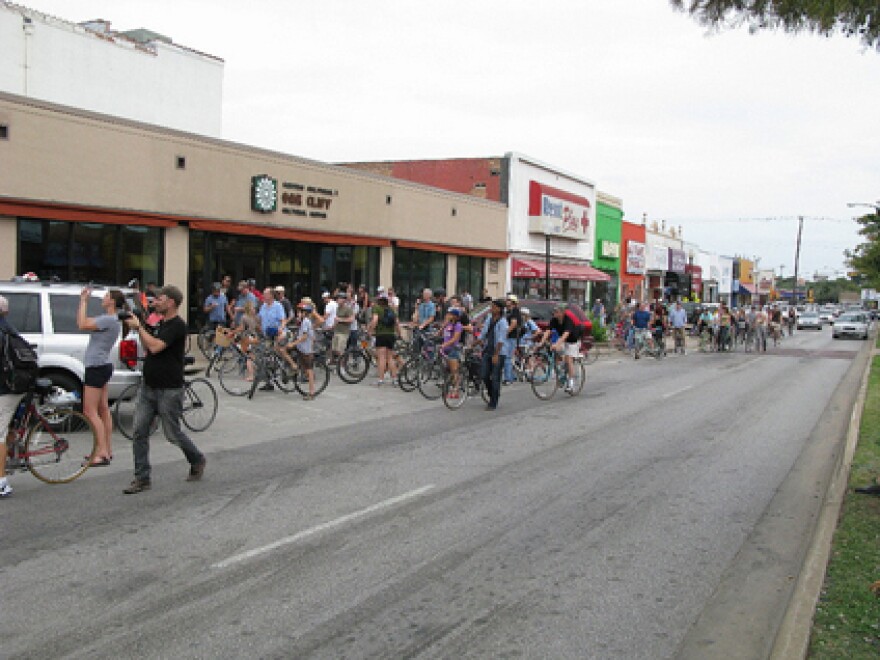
{"x":567,"y":342}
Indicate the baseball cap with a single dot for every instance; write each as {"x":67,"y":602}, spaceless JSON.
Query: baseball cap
{"x":455,"y":311}
{"x":279,"y":289}
{"x":305,"y":301}
{"x":512,"y":297}
{"x":325,"y":294}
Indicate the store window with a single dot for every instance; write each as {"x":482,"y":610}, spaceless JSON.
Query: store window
{"x":469,"y":275}
{"x":90,"y":252}
{"x":413,"y":271}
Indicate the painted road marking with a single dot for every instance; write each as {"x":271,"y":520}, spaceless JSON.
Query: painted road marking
{"x":323,"y":527}
{"x":669,"y":395}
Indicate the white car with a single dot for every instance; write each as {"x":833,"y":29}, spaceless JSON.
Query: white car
{"x":809,"y":320}
{"x":853,"y":324}
{"x":826,"y":316}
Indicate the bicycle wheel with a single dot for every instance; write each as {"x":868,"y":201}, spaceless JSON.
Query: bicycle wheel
{"x":580,"y":377}
{"x":431,"y":379}
{"x":199,"y":404}
{"x":353,"y":366}
{"x":455,"y":394}
{"x":544,"y":381}
{"x":285,"y":375}
{"x":205,"y":342}
{"x":124,"y":410}
{"x":58,"y":452}
{"x":408,"y":376}
{"x":234,"y":377}
{"x":322,"y":377}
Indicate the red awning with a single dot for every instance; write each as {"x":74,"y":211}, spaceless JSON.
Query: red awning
{"x":535,"y":268}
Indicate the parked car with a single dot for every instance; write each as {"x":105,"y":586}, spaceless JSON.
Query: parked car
{"x":541,"y":312}
{"x":809,"y":320}
{"x":44,"y":313}
{"x":826,"y":315}
{"x":851,"y":324}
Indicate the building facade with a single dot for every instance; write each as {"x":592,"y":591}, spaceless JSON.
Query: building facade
{"x":609,"y":219}
{"x":137,"y":74}
{"x":633,"y":261}
{"x":85,"y":197}
{"x":551,"y":217}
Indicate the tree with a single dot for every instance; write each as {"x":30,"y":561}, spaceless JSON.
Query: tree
{"x":865,"y":259}
{"x":851,"y":17}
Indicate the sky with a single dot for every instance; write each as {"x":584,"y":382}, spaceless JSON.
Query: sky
{"x":730,"y":135}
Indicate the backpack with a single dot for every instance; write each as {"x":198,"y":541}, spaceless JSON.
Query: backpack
{"x":387,"y":318}
{"x":18,"y":362}
{"x":577,"y":323}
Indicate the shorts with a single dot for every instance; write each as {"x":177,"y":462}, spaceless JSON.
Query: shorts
{"x":305,"y":360}
{"x":8,"y":406}
{"x":453,"y":353}
{"x":98,"y":376}
{"x":271,"y":333}
{"x":340,"y":342}
{"x":384,"y":341}
{"x":572,"y":349}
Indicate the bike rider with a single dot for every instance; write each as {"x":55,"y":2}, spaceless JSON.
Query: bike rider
{"x":641,"y":321}
{"x":8,"y":401}
{"x":568,"y":343}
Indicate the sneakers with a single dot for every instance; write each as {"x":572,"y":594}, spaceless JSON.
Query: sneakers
{"x":5,"y":488}
{"x":196,"y":471}
{"x":137,"y":486}
{"x":380,"y":382}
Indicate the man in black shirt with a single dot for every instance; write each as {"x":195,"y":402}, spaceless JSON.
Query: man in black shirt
{"x":514,"y":332}
{"x":161,"y":392}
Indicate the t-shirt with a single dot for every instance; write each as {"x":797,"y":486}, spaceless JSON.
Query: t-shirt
{"x":384,"y":313}
{"x":449,"y":331}
{"x":330,"y":314}
{"x":565,"y":325}
{"x":218,"y":314}
{"x":102,"y":340}
{"x":641,"y":319}
{"x":164,"y":370}
{"x":427,"y":310}
{"x":307,"y":345}
{"x":344,"y":318}
{"x":5,"y":326}
{"x":271,"y":317}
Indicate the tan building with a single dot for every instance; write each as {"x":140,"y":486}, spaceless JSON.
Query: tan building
{"x":87,"y":197}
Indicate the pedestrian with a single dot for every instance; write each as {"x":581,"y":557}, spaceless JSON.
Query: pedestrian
{"x":514,"y":332}
{"x":494,"y":338}
{"x":161,"y":392}
{"x":467,"y":300}
{"x":215,"y":306}
{"x":678,"y":320}
{"x":385,"y":326}
{"x":8,"y":400}
{"x":305,"y":343}
{"x":285,"y":303}
{"x":345,"y":317}
{"x":105,"y":330}
{"x":599,"y":312}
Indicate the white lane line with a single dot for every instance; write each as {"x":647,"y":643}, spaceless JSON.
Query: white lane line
{"x":669,"y":395}
{"x":323,"y":527}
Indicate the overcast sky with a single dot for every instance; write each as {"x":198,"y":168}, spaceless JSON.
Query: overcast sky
{"x":730,"y":135}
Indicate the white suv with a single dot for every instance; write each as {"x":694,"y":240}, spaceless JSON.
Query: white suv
{"x":45,"y":315}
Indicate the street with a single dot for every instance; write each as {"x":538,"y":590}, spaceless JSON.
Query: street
{"x":373,"y":523}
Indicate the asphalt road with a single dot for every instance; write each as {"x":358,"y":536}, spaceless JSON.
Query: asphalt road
{"x":634,"y":521}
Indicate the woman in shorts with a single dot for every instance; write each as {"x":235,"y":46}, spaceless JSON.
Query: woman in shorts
{"x":451,"y":346}
{"x":385,"y":328}
{"x":105,"y":330}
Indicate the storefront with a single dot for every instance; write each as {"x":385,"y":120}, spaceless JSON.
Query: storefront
{"x":89,"y":198}
{"x":633,"y":262}
{"x":609,"y":218}
{"x":568,"y":282}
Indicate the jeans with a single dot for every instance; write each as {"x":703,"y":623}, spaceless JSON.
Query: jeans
{"x":168,"y":405}
{"x":508,"y":364}
{"x":491,"y":375}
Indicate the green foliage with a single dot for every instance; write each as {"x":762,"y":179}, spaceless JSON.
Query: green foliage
{"x":847,"y":620}
{"x":865,"y":259}
{"x":851,"y":17}
{"x":600,"y":332}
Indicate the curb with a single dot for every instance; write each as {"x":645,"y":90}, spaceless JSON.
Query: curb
{"x":793,"y":637}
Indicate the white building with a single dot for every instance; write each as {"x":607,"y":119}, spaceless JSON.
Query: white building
{"x":137,"y":74}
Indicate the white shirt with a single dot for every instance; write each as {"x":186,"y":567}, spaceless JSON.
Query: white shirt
{"x":330,"y":314}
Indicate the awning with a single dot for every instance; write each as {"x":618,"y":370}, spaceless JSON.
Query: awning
{"x":285,"y":233}
{"x":746,"y":289}
{"x":73,"y":213}
{"x":535,"y":268}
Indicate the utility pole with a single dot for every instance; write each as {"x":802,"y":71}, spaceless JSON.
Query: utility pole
{"x":797,"y":258}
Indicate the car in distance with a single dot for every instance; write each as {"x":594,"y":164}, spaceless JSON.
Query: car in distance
{"x":826,"y":315}
{"x":850,"y":324}
{"x":44,"y":313}
{"x":809,"y":320}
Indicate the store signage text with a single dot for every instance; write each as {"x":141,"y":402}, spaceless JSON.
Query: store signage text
{"x":296,"y":198}
{"x":558,"y":213}
{"x":611,"y":250}
{"x":677,"y":260}
{"x":635,"y":258}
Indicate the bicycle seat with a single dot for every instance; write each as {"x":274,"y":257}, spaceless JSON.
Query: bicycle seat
{"x":189,"y":360}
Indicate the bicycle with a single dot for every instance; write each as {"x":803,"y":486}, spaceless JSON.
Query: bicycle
{"x":650,"y":345}
{"x":272,"y":368}
{"x":199,"y":407}
{"x":50,"y":438}
{"x":469,"y":381}
{"x":548,"y":375}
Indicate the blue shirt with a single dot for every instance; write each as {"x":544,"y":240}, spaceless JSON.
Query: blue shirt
{"x":678,"y":317}
{"x":500,"y":335}
{"x":641,"y":319}
{"x":427,"y":310}
{"x":271,"y":316}
{"x":305,"y":330}
{"x":218,"y":314}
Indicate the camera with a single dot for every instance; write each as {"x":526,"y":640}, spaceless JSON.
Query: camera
{"x":123,"y":316}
